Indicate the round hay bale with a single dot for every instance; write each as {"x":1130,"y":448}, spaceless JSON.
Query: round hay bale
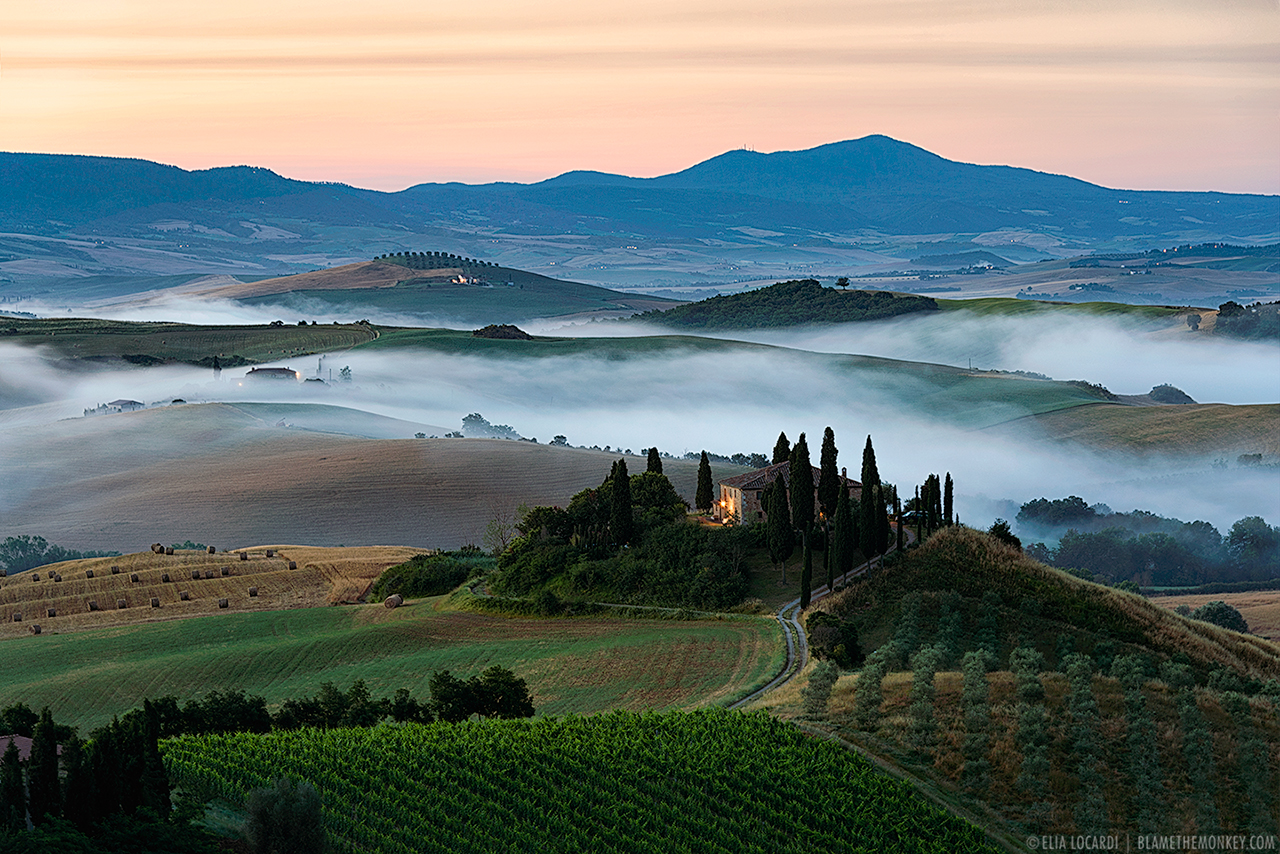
{"x":35,"y":628}
{"x":212,"y":550}
{"x":165,"y":578}
{"x":52,"y":612}
{"x":57,"y":578}
{"x":35,"y":576}
{"x":88,"y":573}
{"x":223,"y":603}
{"x":133,"y":577}
{"x":156,"y":548}
{"x":17,"y":617}
{"x":169,"y":550}
{"x":184,"y":596}
{"x":115,"y":570}
{"x":195,"y":573}
{"x":395,"y":600}
{"x":155,"y":602}
{"x":271,"y":552}
{"x":293,"y":564}
{"x":226,"y":571}
{"x":121,"y":604}
{"x":93,"y":606}
{"x":244,"y":555}
{"x":208,"y":573}
{"x":253,"y":592}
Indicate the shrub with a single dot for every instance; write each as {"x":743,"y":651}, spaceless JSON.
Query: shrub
{"x":285,"y":818}
{"x":1221,"y":614}
{"x":421,"y":575}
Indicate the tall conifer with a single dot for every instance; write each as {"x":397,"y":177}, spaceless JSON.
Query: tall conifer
{"x":621,"y":523}
{"x":704,"y":496}
{"x":828,"y":478}
{"x":872,"y":507}
{"x":43,"y":792}
{"x":948,"y":502}
{"x":843,"y":537}
{"x":779,"y":535}
{"x":13,"y":792}
{"x":655,"y":461}
{"x":781,"y":449}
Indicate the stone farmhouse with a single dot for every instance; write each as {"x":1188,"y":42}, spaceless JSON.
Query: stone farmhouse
{"x":740,"y":496}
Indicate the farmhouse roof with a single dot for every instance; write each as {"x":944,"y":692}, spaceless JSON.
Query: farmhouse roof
{"x":273,"y":373}
{"x":760,"y":478}
{"x":23,"y":744}
{"x":123,"y":403}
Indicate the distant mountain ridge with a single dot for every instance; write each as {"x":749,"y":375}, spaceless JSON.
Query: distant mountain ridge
{"x":839,"y":194}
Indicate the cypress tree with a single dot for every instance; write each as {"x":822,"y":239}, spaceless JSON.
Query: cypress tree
{"x":801,"y":471}
{"x":829,"y":478}
{"x":869,"y":696}
{"x":620,"y":520}
{"x":842,"y":537}
{"x":871,"y":509}
{"x":655,"y":461}
{"x":781,"y":449}
{"x":44,"y":794}
{"x":974,"y":702}
{"x":703,"y":498}
{"x":948,"y":502}
{"x":78,"y":796}
{"x":779,"y":535}
{"x":897,"y":512}
{"x":924,"y":665}
{"x":13,"y":793}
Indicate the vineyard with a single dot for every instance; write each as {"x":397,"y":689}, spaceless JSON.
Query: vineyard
{"x":712,"y":781}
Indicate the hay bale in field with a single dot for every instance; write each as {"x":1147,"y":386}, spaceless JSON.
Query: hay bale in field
{"x":115,"y":570}
{"x":253,"y":592}
{"x":184,"y":596}
{"x":226,"y":571}
{"x":395,"y":600}
{"x":223,"y":603}
{"x":293,"y":564}
{"x":244,"y":555}
{"x":133,"y":578}
{"x":88,"y":573}
{"x":121,"y":604}
{"x":165,"y":578}
{"x":195,"y":573}
{"x":169,"y":550}
{"x":52,"y":612}
{"x":155,"y":602}
{"x":208,"y":573}
{"x":35,"y":576}
{"x":212,"y":550}
{"x":93,"y":606}
{"x":57,"y":578}
{"x":35,"y":629}
{"x":271,"y":553}
{"x":156,"y":548}
{"x":17,"y":617}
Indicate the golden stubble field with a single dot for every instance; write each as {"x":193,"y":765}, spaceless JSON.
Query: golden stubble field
{"x":213,"y":474}
{"x":1260,"y":609}
{"x":88,"y":594}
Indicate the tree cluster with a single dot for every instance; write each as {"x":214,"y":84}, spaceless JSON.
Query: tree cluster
{"x":793,"y":303}
{"x":432,"y":260}
{"x":25,"y":552}
{"x":423,"y":575}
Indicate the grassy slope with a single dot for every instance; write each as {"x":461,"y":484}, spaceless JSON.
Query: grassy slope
{"x":710,"y":781}
{"x":1002,"y":306}
{"x":180,"y":342}
{"x":572,"y":665}
{"x":971,"y":563}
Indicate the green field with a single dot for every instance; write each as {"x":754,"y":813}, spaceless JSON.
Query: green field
{"x":1004,"y":306}
{"x":572,"y":665}
{"x":154,"y":343}
{"x":711,"y":781}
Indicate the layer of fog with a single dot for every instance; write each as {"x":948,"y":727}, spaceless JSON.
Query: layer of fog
{"x":1126,"y":357}
{"x":727,"y":402}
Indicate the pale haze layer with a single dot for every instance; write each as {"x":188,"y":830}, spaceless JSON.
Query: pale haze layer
{"x":1178,"y":94}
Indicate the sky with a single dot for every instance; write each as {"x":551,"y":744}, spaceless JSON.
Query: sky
{"x":1139,"y":94}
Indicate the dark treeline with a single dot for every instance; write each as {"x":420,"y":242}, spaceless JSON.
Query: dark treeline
{"x":789,"y":304}
{"x":1258,"y":322}
{"x":432,"y":260}
{"x":1147,"y":549}
{"x":25,"y":552}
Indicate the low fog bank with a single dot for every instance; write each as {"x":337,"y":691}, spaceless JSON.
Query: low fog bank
{"x":1124,"y":356}
{"x":722,"y":402}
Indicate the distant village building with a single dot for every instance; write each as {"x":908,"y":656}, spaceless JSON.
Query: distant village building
{"x":273,"y":374}
{"x":126,"y":405}
{"x":740,"y":495}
